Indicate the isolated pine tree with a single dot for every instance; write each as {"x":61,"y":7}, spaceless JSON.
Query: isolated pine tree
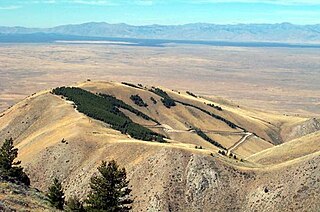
{"x":74,"y":204}
{"x":9,"y":170}
{"x":55,"y":194}
{"x":7,"y":155}
{"x":109,"y":189}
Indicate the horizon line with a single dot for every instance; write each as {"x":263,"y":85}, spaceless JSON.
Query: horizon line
{"x":155,"y":24}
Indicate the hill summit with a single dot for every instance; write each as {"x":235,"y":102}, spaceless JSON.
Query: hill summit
{"x":182,"y":151}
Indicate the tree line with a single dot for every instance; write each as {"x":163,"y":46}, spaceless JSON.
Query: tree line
{"x":166,"y":100}
{"x":138,"y":100}
{"x":207,"y":138}
{"x":170,"y":102}
{"x":105,"y":108}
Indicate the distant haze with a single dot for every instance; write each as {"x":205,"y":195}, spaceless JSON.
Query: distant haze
{"x":284,"y":32}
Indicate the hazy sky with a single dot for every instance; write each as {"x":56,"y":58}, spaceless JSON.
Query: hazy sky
{"x":46,"y":13}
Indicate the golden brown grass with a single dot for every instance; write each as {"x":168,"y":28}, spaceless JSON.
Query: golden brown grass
{"x":277,"y":79}
{"x":173,"y":173}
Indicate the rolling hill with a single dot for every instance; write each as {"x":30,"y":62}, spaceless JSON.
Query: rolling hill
{"x":64,"y":133}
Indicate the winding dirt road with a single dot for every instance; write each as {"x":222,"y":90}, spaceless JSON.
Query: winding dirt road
{"x":241,"y":141}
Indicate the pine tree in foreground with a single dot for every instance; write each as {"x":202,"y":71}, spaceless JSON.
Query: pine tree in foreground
{"x":109,"y":189}
{"x":74,"y":204}
{"x":55,"y":194}
{"x":9,"y":170}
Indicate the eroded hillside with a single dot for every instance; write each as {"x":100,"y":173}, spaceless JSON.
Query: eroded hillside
{"x":276,"y":167}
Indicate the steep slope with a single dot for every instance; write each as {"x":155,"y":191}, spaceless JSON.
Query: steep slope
{"x":267,"y":126}
{"x":55,"y":140}
{"x":19,"y":198}
{"x":296,"y":148}
{"x":301,"y":129}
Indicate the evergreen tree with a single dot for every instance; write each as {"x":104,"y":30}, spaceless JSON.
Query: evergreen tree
{"x":9,"y":170}
{"x":74,"y":204}
{"x":109,"y":189}
{"x":7,"y":155}
{"x":56,"y":195}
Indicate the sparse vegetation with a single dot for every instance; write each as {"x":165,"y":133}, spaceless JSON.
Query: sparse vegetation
{"x":166,"y":99}
{"x":160,"y":92}
{"x":215,"y":107}
{"x":153,"y":100}
{"x":192,"y":94}
{"x":167,"y":177}
{"x":109,"y":189}
{"x":205,"y":137}
{"x":15,"y":197}
{"x":222,"y":152}
{"x":109,"y":192}
{"x":168,"y":102}
{"x":131,"y":85}
{"x":231,"y":124}
{"x":106,"y":108}
{"x":138,"y":100}
{"x":231,"y":155}
{"x":56,"y":195}
{"x":198,"y":147}
{"x":10,"y":170}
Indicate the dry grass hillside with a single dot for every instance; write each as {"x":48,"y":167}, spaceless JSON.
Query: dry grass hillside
{"x":276,"y":169}
{"x":19,"y":198}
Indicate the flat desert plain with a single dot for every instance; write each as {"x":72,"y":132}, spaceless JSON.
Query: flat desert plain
{"x":284,"y":80}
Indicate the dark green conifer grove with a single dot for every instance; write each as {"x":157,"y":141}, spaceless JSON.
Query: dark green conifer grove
{"x":105,"y":108}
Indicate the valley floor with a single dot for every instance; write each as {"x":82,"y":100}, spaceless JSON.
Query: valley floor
{"x":285,"y":79}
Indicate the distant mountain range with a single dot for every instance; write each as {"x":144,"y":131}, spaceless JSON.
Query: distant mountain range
{"x":284,"y":32}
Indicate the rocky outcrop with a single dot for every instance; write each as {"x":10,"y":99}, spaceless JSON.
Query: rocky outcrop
{"x":302,"y":129}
